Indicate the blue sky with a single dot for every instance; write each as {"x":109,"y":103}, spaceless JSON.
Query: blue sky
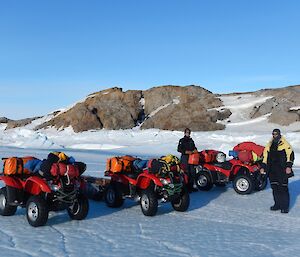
{"x":55,"y":52}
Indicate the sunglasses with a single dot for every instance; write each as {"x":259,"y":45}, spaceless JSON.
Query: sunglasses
{"x":275,"y":134}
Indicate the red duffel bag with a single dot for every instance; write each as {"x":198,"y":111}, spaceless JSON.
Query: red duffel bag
{"x":245,"y":156}
{"x":194,"y":158}
{"x":61,"y":169}
{"x":208,"y":156}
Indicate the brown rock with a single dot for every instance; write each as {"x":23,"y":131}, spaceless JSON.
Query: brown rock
{"x":178,"y":117}
{"x":4,"y":120}
{"x":19,"y":123}
{"x":109,"y":109}
{"x":175,"y":108}
{"x":279,"y":105}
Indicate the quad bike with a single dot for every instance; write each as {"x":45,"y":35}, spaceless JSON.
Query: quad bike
{"x":148,"y":189}
{"x":40,"y":196}
{"x":244,"y":176}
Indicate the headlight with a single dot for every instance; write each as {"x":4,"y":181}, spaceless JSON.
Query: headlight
{"x":55,"y":188}
{"x":199,"y":168}
{"x":221,"y":157}
{"x":164,"y":181}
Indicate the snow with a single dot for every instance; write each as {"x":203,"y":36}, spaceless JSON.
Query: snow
{"x":174,"y":101}
{"x":241,"y":106}
{"x":218,"y":223}
{"x":142,"y":102}
{"x":295,"y":108}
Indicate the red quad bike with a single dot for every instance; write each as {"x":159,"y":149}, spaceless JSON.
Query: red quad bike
{"x":39,"y":196}
{"x":148,"y":188}
{"x":217,"y":171}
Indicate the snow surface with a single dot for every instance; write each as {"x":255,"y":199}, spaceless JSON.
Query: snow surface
{"x":295,"y":108}
{"x":218,"y":223}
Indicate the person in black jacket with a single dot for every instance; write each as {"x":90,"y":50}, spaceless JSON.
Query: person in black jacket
{"x":186,"y":146}
{"x":278,"y":160}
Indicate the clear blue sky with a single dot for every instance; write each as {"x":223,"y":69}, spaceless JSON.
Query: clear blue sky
{"x":55,"y":52}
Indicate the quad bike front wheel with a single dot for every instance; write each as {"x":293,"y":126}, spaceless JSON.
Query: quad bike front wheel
{"x":37,"y":211}
{"x":113,"y":195}
{"x":149,"y":203}
{"x":80,"y":208}
{"x":5,"y":208}
{"x":243,"y":184}
{"x":204,"y":181}
{"x":182,"y":202}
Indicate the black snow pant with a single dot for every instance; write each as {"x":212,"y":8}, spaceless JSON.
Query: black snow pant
{"x":191,"y":172}
{"x":279,"y":184}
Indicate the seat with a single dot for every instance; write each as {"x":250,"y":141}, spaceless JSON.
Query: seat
{"x":132,"y":175}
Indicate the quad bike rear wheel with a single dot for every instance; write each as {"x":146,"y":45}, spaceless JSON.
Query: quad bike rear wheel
{"x":243,"y":184}
{"x":204,"y":181}
{"x":37,"y":211}
{"x":149,"y":202}
{"x":80,"y":208}
{"x":182,"y":203}
{"x":113,"y":195}
{"x":5,"y":208}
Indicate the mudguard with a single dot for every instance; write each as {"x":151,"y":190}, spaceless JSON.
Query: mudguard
{"x":241,"y":169}
{"x":144,"y":180}
{"x":122,"y":179}
{"x":35,"y":185}
{"x":12,"y":182}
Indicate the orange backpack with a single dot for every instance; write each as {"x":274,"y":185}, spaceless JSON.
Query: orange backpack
{"x":15,"y":165}
{"x":119,"y":164}
{"x":194,"y":159}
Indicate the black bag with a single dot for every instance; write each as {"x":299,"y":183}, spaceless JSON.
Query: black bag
{"x":157,"y":166}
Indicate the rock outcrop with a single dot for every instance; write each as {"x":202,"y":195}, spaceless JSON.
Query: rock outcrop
{"x":4,"y":120}
{"x":19,"y":123}
{"x":109,"y":109}
{"x":166,"y":107}
{"x":283,"y":99}
{"x":175,"y":108}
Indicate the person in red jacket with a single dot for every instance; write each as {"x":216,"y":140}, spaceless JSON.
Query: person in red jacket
{"x":186,"y":146}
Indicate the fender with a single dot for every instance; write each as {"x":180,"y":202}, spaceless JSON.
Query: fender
{"x":35,"y":185}
{"x":12,"y":182}
{"x":240,"y":169}
{"x":121,"y":178}
{"x":144,"y":180}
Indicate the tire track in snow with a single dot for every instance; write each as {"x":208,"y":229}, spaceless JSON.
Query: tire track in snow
{"x":64,"y":241}
{"x":13,"y":245}
{"x":142,"y":232}
{"x":170,"y":246}
{"x":9,"y":237}
{"x":235,"y":216}
{"x":179,"y":249}
{"x":110,"y":241}
{"x":29,"y":254}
